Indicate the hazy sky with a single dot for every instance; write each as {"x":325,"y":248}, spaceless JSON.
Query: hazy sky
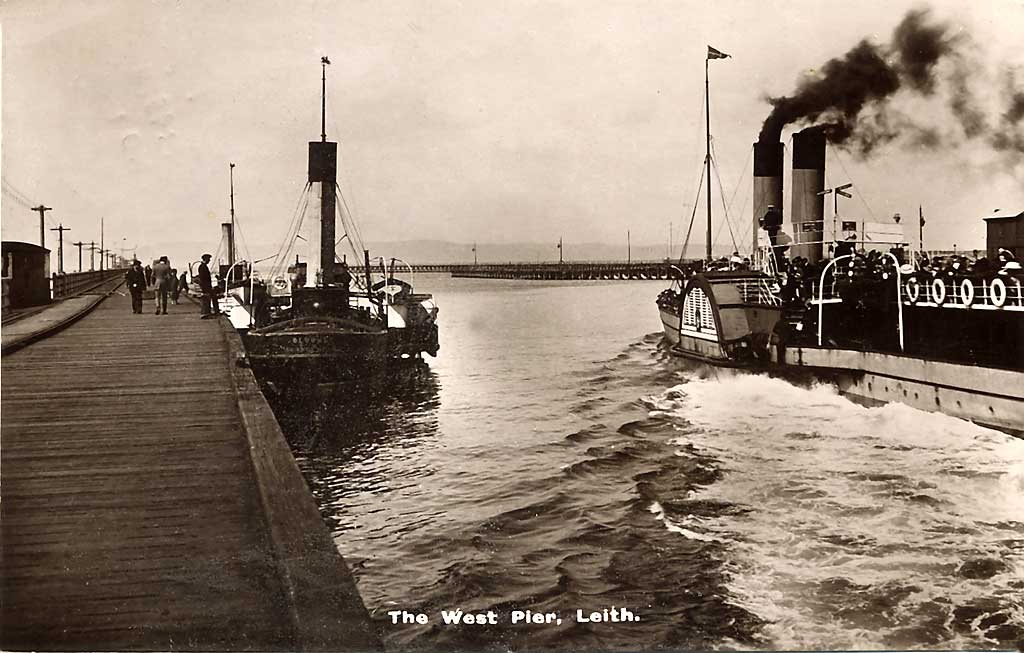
{"x":465,"y":121}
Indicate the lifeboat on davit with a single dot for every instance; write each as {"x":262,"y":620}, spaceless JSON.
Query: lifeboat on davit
{"x":724,"y":318}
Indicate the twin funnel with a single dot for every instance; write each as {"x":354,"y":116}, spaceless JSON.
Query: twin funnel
{"x":807,"y":205}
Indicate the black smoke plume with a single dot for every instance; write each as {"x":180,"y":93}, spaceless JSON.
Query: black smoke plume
{"x":971,"y":118}
{"x":1015,"y":99}
{"x":1008,"y":137}
{"x":1016,"y":110}
{"x":867,"y":75}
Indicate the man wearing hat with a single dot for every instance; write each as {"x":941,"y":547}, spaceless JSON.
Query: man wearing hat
{"x":135,"y":279}
{"x":209,"y":307}
{"x":772,"y":223}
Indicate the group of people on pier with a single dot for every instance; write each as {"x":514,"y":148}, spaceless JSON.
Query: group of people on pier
{"x":167,"y":285}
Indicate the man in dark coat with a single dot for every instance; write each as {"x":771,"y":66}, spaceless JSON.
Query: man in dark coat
{"x":135,"y":279}
{"x":175,"y":288}
{"x":209,"y":308}
{"x":772,"y":223}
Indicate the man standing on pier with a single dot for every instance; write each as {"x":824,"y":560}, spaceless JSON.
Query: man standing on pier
{"x":162,"y":284}
{"x":210,"y":308}
{"x":135,"y":279}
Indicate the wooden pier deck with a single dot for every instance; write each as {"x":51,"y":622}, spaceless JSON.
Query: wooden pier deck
{"x":136,"y":511}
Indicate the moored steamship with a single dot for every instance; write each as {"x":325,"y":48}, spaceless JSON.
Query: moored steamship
{"x":318,"y":320}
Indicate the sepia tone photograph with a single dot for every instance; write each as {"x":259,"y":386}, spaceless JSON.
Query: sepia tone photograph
{"x":538,"y":325}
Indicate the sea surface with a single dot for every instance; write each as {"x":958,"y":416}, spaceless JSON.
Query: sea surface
{"x":554,"y":458}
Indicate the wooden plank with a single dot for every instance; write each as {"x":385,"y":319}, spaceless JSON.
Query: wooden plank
{"x":130,"y":516}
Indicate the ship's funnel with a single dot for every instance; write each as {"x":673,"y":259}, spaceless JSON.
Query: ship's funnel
{"x":808,"y":205}
{"x":323,"y":164}
{"x":228,"y":236}
{"x":767,"y":181}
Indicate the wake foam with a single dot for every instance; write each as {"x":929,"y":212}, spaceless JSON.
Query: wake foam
{"x":883,"y":503}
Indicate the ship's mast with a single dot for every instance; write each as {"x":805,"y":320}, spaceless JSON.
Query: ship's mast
{"x":707,"y":154}
{"x":231,"y":234}
{"x":323,"y":157}
{"x":323,"y":99}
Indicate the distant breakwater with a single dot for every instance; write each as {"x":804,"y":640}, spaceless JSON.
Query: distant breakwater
{"x":558,"y":271}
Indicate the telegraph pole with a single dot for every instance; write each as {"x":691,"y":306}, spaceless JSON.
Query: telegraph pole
{"x":60,"y":246}
{"x":79,"y":246}
{"x":102,"y":253}
{"x":629,"y":255}
{"x":42,"y":223}
{"x":92,"y":254}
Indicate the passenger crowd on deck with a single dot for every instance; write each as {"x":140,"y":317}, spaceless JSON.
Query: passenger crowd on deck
{"x":798,"y":277}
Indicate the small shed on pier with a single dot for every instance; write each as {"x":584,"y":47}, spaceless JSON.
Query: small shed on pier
{"x":26,"y":274}
{"x":1006,"y":231}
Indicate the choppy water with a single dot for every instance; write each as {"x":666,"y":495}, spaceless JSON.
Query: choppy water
{"x":555,"y":458}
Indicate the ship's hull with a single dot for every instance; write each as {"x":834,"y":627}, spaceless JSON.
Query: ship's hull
{"x":307,"y":356}
{"x":413,"y":341}
{"x":982,"y":393}
{"x":670,"y":325}
{"x":988,"y":396}
{"x":695,"y":344}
